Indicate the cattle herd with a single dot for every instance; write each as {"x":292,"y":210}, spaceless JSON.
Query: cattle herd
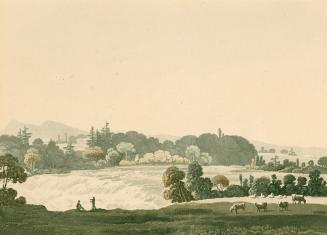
{"x":296,"y":199}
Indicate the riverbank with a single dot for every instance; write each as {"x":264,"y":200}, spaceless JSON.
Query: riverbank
{"x":187,"y":218}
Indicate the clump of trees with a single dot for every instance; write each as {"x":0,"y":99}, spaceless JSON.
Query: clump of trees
{"x":10,"y":171}
{"x":315,"y":186}
{"x":201,"y":187}
{"x":176,"y":192}
{"x":290,"y":166}
{"x":206,"y":149}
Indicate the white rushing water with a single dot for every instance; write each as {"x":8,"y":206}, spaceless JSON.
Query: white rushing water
{"x":136,"y":187}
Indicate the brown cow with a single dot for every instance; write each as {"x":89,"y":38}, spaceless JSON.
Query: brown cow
{"x":261,"y":206}
{"x":283,"y":206}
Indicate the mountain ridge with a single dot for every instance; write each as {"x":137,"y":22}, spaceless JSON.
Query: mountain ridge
{"x":46,"y":130}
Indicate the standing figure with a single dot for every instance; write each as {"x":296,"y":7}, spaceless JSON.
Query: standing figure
{"x":92,"y":200}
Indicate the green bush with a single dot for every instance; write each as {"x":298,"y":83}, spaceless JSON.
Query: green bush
{"x":235,"y":191}
{"x":21,"y":200}
{"x":7,"y":196}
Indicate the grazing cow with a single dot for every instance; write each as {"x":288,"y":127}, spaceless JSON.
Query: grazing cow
{"x":298,"y":198}
{"x":237,"y":206}
{"x":261,"y":206}
{"x":283,"y":206}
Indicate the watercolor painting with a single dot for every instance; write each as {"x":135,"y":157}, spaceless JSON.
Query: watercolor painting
{"x":162,"y":117}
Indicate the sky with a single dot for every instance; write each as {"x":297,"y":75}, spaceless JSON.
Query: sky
{"x":253,"y":68}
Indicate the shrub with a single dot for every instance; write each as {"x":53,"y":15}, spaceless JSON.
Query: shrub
{"x":7,"y":196}
{"x":21,"y":200}
{"x":234,"y":191}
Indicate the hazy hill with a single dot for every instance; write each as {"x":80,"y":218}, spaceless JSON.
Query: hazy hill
{"x":47,"y":130}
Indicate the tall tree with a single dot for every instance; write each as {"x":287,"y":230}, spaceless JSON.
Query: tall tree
{"x":24,"y":136}
{"x":91,"y":138}
{"x":105,"y":137}
{"x":316,"y":183}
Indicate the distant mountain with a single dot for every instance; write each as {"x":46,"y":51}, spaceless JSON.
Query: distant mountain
{"x":313,"y":151}
{"x":47,"y":130}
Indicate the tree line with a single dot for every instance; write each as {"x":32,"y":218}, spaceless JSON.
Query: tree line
{"x":198,"y":187}
{"x":223,"y":149}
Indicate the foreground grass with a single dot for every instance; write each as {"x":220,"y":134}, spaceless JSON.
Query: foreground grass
{"x":204,"y":219}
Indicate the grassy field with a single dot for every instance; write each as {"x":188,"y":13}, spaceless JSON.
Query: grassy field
{"x":177,"y":219}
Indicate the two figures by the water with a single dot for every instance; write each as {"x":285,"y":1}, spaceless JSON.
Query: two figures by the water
{"x":79,"y":206}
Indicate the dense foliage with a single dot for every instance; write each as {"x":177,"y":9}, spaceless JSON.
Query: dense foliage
{"x":225,"y":150}
{"x":198,"y":185}
{"x":176,"y":192}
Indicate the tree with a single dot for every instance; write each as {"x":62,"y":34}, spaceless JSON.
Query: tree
{"x":245,"y":185}
{"x":54,"y":155}
{"x":32,"y":157}
{"x":113,"y":157}
{"x":38,"y":143}
{"x":199,"y":186}
{"x":240,"y":177}
{"x":251,"y":180}
{"x":177,"y":192}
{"x":316,"y":184}
{"x":24,"y":137}
{"x":260,"y":186}
{"x":289,"y":184}
{"x":220,"y":181}
{"x":275,"y":185}
{"x":105,"y":137}
{"x":192,"y":152}
{"x":91,"y":138}
{"x":94,"y":153}
{"x":125,"y":148}
{"x":301,"y":185}
{"x":322,"y":161}
{"x":11,"y":171}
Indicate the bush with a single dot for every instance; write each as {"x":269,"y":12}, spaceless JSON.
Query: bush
{"x":21,"y":200}
{"x":7,"y":196}
{"x":234,"y":191}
